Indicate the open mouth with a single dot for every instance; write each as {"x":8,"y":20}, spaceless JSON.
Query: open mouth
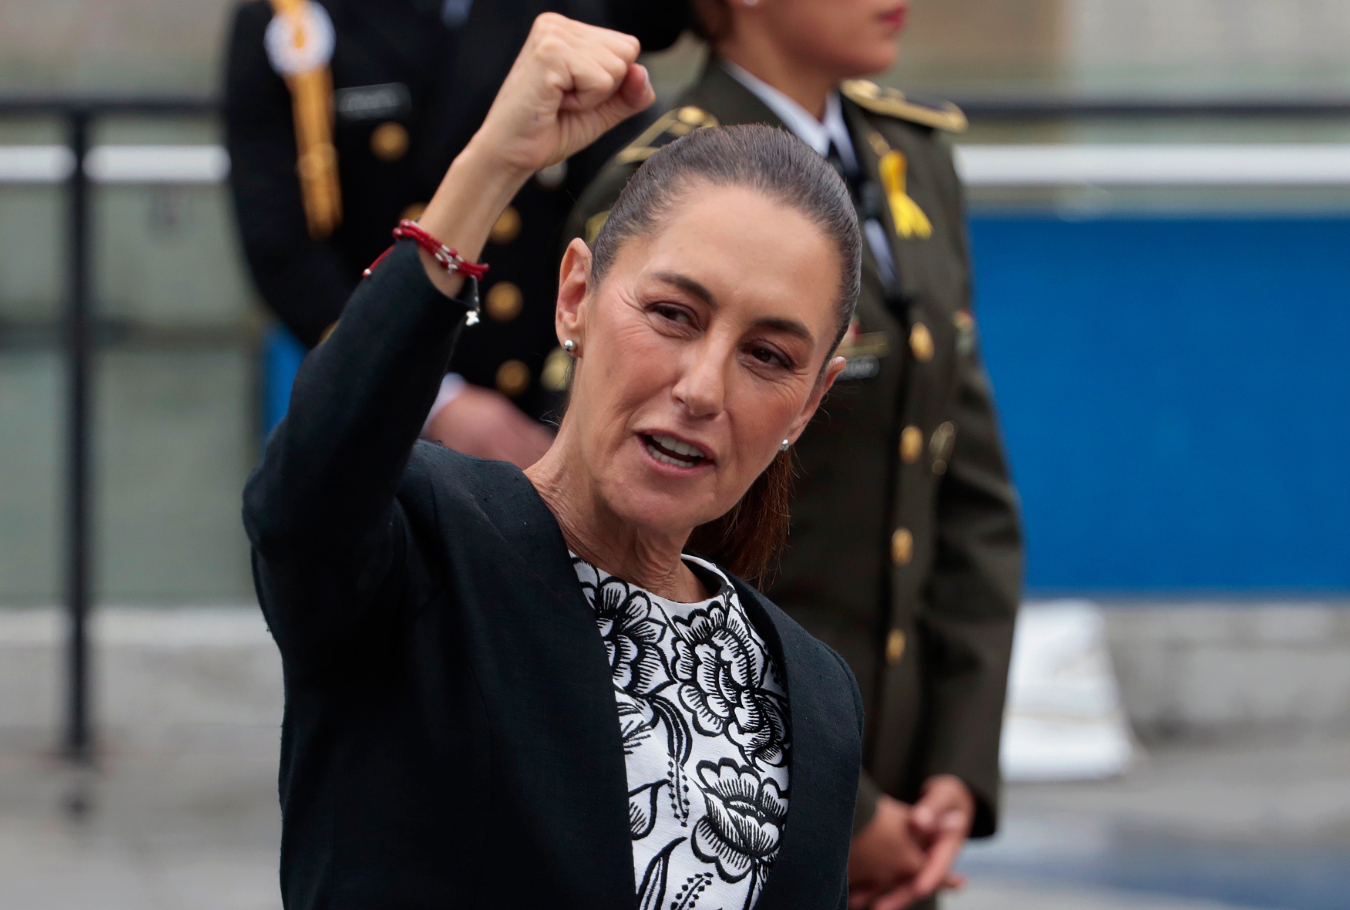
{"x":671,"y":451}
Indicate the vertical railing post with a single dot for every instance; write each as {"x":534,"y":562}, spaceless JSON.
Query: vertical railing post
{"x":79,"y":344}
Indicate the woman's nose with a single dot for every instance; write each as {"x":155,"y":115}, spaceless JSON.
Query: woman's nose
{"x":701,"y":388}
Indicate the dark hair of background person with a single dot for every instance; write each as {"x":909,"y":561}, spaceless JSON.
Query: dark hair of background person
{"x":656,"y":23}
{"x":748,"y":539}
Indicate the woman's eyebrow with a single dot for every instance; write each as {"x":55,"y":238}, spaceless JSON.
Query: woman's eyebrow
{"x":685,"y":283}
{"x":778,"y":323}
{"x":787,"y":326}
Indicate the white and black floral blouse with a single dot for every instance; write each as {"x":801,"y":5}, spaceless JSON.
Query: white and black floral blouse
{"x":704,"y":720}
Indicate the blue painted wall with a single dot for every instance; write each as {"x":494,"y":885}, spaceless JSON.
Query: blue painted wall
{"x":1175,"y":397}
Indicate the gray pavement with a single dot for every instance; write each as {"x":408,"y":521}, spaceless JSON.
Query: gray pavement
{"x":191,"y":825}
{"x":189,"y":822}
{"x":1263,"y":824}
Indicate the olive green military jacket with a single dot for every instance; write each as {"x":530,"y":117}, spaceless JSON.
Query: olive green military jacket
{"x":905,"y":554}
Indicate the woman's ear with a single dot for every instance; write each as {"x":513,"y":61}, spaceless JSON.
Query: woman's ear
{"x":574,"y":285}
{"x":836,"y":366}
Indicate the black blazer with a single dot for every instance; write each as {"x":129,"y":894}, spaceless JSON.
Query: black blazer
{"x":450,"y":737}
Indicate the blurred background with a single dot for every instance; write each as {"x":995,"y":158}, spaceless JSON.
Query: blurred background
{"x":1160,"y":217}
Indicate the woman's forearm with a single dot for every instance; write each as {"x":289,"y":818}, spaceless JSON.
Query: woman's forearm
{"x":473,"y":193}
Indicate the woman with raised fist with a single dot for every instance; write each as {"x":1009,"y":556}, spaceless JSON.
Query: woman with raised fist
{"x":905,"y":552}
{"x":520,"y":689}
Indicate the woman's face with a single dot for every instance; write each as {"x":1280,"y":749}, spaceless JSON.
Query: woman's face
{"x":700,"y":353}
{"x":846,"y":38}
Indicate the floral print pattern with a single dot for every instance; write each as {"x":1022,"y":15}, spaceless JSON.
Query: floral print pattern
{"x":703,"y":715}
{"x":721,"y":669}
{"x":630,"y":634}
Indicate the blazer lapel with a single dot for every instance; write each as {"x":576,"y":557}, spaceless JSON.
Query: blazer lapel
{"x":824,"y":760}
{"x":546,"y":684}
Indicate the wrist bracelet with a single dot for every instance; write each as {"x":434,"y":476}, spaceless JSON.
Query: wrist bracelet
{"x":447,"y":258}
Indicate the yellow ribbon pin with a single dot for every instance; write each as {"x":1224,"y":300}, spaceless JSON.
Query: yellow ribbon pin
{"x":910,"y":221}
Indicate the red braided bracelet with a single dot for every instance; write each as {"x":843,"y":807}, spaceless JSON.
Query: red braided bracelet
{"x":448,"y":258}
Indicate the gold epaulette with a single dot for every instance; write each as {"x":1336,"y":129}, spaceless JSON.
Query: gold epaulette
{"x":893,"y":103}
{"x":668,"y":127}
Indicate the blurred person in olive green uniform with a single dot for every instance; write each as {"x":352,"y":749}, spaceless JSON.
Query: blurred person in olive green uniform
{"x":905,"y":552}
{"x":385,"y":93}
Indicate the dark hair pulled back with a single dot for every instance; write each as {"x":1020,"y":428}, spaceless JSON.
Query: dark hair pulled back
{"x":748,"y":539}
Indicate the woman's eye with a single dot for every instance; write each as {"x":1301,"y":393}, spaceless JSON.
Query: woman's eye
{"x":674,"y":314}
{"x":768,"y":356}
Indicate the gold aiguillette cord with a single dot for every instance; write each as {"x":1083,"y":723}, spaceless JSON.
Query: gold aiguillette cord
{"x":312,"y":106}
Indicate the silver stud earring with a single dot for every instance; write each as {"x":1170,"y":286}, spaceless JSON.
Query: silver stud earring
{"x":787,"y":443}
{"x":569,"y":345}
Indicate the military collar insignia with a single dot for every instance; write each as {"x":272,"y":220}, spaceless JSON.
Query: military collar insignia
{"x":892,"y":103}
{"x":667,"y":128}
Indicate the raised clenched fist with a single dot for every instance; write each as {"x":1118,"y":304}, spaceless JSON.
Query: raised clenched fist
{"x":570,"y":84}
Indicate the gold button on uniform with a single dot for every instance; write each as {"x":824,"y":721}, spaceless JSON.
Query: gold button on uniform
{"x":895,"y":647}
{"x":911,"y":444}
{"x":921,"y":342}
{"x":513,"y":377}
{"x":507,"y":226}
{"x":902,"y":547}
{"x":503,"y":301}
{"x":389,"y":141}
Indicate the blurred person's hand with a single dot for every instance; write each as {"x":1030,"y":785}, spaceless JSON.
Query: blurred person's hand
{"x":941,"y":819}
{"x":884,"y":856}
{"x":905,"y":853}
{"x":485,"y":423}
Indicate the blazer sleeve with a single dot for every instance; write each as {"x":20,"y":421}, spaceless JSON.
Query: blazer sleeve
{"x":330,"y":540}
{"x":966,"y":625}
{"x":302,"y":280}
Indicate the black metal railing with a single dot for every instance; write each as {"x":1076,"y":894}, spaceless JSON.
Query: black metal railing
{"x":80,"y":115}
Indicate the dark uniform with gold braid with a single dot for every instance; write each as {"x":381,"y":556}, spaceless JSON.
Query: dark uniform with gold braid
{"x":409,"y":84}
{"x":905,"y":553}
